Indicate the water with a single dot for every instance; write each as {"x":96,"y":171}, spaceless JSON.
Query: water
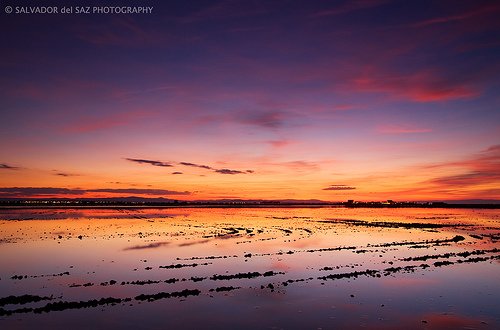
{"x":250,"y":268}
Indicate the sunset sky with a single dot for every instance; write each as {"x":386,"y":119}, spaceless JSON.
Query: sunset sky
{"x":330,"y":100}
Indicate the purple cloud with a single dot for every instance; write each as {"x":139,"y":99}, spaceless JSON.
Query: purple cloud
{"x":196,"y":165}
{"x":37,"y":191}
{"x":54,"y":191}
{"x":339,"y":187}
{"x":154,"y":192}
{"x":150,"y":162}
{"x":228,"y":171}
{"x":4,"y":166}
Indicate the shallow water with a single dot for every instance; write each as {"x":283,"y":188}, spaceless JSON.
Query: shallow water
{"x":250,"y":268}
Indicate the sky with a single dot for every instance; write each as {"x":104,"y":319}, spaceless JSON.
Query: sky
{"x":282,"y":99}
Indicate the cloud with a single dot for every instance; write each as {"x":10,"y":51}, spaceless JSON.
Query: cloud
{"x":467,"y":179}
{"x":38,"y":191}
{"x":138,"y":92}
{"x":196,"y":165}
{"x":54,"y":191}
{"x":279,"y":143}
{"x":228,"y":171}
{"x":153,"y":192}
{"x":339,"y":187}
{"x":150,"y":162}
{"x":64,"y":174}
{"x":401,"y":129}
{"x":424,"y":86}
{"x":481,"y":169}
{"x":267,"y":119}
{"x":206,"y":167}
{"x":220,"y":171}
{"x":4,"y":166}
{"x":301,"y":165}
{"x":129,"y":184}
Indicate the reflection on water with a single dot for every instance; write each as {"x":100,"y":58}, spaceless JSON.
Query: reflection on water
{"x":250,"y":268}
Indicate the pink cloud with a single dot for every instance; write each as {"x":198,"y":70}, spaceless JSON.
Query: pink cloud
{"x":474,"y":177}
{"x":345,"y":107}
{"x":280,"y":143}
{"x":423,"y":86}
{"x":480,"y":169}
{"x":301,"y":165}
{"x":401,"y":129}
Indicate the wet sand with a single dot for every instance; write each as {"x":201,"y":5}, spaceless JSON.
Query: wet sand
{"x":250,"y":268}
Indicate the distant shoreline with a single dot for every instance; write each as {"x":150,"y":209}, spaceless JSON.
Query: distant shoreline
{"x":4,"y":206}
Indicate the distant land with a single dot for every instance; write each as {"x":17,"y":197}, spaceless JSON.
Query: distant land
{"x":134,"y":201}
{"x":471,"y":201}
